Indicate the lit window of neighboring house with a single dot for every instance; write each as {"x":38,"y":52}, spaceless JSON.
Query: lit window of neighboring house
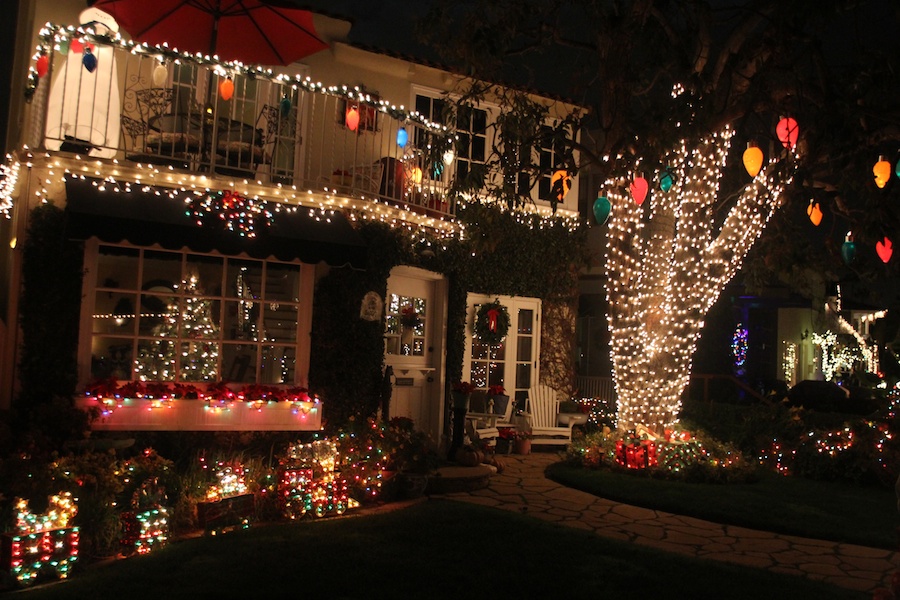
{"x":158,"y":315}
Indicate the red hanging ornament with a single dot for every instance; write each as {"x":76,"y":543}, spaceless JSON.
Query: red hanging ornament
{"x":42,"y":65}
{"x":639,"y":189}
{"x":885,"y":249}
{"x":787,"y":131}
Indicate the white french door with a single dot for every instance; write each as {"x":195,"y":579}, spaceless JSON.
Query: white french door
{"x":514,"y":362}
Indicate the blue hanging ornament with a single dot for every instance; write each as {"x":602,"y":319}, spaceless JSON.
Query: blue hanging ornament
{"x":285,"y":107}
{"x":666,"y":179}
{"x":402,"y":137}
{"x":602,"y":207}
{"x":89,"y":60}
{"x":848,"y":249}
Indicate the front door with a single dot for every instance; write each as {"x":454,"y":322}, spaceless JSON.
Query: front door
{"x":514,"y":362}
{"x":415,"y":314}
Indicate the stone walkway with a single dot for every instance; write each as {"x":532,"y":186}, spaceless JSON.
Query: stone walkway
{"x":522,"y":487}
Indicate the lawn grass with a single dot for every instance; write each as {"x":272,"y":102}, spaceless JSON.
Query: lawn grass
{"x":792,"y":505}
{"x":435,"y":549}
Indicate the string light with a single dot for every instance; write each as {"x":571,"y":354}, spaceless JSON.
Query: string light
{"x":44,"y":542}
{"x":665,"y":272}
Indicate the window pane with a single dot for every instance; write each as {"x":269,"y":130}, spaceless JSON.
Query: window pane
{"x":158,"y":316}
{"x":523,"y":375}
{"x":280,"y":322}
{"x":239,"y":362}
{"x":278,"y":364}
{"x":241,"y":320}
{"x":208,"y":273}
{"x":155,"y":360}
{"x":161,"y":269}
{"x":479,"y":121}
{"x":282,"y":282}
{"x":523,"y":352}
{"x":114,"y":313}
{"x":111,"y":358}
{"x":526,"y":322}
{"x":479,"y":374}
{"x":200,"y":318}
{"x":244,"y":279}
{"x":116,"y":268}
{"x":199,"y":361}
{"x":478,"y":149}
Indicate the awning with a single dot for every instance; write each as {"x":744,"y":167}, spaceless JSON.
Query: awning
{"x":150,"y":217}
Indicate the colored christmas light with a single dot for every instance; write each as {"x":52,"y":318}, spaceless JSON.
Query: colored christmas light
{"x":239,"y":214}
{"x":44,"y":543}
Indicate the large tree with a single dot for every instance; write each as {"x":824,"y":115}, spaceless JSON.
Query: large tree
{"x":739,"y":64}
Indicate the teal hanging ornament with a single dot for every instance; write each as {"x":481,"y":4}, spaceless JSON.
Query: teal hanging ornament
{"x":666,"y":179}
{"x":897,"y":169}
{"x":848,"y":249}
{"x":602,"y":207}
{"x":285,"y":107}
{"x":402,"y":137}
{"x":437,"y":169}
{"x":89,"y":60}
{"x":64,"y":46}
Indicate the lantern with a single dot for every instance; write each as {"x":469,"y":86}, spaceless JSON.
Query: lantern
{"x":89,"y":60}
{"x":884,"y":249}
{"x":882,"y":172}
{"x":160,"y":75}
{"x":602,"y":207}
{"x":351,"y":118}
{"x":814,"y":212}
{"x":666,"y":179}
{"x":226,"y":89}
{"x":639,"y":188}
{"x":787,"y":131}
{"x":42,"y":65}
{"x":848,"y":249}
{"x":753,"y":159}
{"x":402,"y":137}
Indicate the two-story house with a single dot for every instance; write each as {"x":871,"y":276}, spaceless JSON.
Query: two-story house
{"x":210,"y":197}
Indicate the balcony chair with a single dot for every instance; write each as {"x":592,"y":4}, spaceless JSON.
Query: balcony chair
{"x":542,"y":415}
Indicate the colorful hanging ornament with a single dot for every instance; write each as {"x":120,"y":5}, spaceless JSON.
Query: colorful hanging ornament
{"x":848,"y":249}
{"x":42,"y":65}
{"x":160,"y":75}
{"x":897,"y":169}
{"x":226,"y":89}
{"x":639,"y":188}
{"x":602,"y":208}
{"x":885,"y":249}
{"x":666,"y":179}
{"x":76,"y":46}
{"x":560,"y":184}
{"x":285,"y":107}
{"x":882,"y":172}
{"x":788,"y":132}
{"x":449,"y":157}
{"x":352,"y":118}
{"x":89,"y":60}
{"x":64,"y":46}
{"x":402,"y":137}
{"x":753,"y":160}
{"x":814,"y":212}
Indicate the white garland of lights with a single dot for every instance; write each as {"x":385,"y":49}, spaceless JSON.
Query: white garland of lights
{"x":664,"y":273}
{"x":9,"y":176}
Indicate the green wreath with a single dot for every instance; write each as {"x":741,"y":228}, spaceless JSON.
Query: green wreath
{"x":491,"y":323}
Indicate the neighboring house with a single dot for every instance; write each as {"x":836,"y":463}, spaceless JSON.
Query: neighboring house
{"x":139,"y":151}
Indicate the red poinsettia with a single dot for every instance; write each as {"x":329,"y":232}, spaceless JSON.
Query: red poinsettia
{"x":463,"y":387}
{"x":496,"y":390}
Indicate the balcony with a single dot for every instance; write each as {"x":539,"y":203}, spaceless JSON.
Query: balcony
{"x":152,"y":106}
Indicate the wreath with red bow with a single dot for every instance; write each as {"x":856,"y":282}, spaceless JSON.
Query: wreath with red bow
{"x":491,"y":323}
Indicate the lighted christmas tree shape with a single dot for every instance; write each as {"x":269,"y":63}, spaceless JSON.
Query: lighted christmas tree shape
{"x":667,"y":264}
{"x":198,"y":360}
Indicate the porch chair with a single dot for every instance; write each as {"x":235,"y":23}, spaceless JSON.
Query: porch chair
{"x":542,"y":413}
{"x":484,"y":430}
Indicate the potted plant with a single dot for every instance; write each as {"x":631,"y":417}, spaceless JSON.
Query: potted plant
{"x":461,"y":391}
{"x":498,"y":394}
{"x":523,"y":442}
{"x":410,"y":456}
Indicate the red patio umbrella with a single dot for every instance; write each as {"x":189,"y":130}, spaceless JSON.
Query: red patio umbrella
{"x":243,"y":30}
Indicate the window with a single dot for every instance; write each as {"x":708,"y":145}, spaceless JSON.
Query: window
{"x":471,"y":124}
{"x":405,"y":325}
{"x":158,"y":315}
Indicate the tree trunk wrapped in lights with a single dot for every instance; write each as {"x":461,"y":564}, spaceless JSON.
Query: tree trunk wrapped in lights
{"x":667,"y":264}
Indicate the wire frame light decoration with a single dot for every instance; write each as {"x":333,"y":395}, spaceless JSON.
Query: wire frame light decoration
{"x":666,"y":269}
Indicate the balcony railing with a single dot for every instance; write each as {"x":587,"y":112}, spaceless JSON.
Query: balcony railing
{"x":151,"y":105}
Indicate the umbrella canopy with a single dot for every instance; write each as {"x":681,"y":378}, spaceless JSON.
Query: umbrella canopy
{"x":241,"y":30}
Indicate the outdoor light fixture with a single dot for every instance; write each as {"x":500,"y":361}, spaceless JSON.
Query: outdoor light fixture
{"x":753,"y":160}
{"x":882,"y":172}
